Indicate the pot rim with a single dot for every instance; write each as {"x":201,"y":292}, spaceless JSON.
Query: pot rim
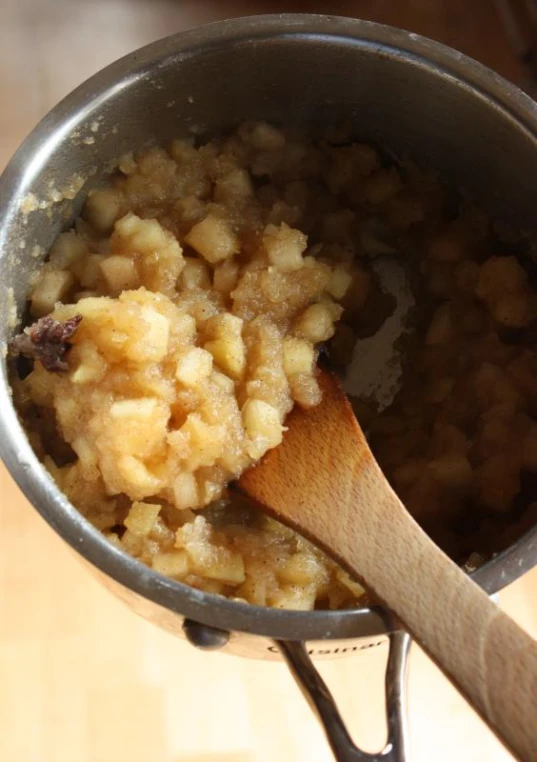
{"x":77,"y":108}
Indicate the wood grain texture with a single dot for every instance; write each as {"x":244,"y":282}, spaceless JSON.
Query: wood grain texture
{"x":84,"y":679}
{"x":324,"y":481}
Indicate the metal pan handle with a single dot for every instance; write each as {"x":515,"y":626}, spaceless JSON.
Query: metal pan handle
{"x":321,"y":701}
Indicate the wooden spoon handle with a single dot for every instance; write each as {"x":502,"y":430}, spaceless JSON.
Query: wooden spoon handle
{"x":324,"y":481}
{"x":487,"y":655}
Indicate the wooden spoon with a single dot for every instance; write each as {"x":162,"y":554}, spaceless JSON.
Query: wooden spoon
{"x":324,"y":481}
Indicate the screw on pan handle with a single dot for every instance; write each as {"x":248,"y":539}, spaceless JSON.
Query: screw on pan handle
{"x":321,"y":701}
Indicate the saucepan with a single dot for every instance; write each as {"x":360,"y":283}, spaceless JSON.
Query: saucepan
{"x":413,"y":96}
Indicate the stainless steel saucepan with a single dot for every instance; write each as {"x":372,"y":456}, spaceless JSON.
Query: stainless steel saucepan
{"x":411,"y":95}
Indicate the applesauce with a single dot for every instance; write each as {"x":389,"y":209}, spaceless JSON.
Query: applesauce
{"x":184,"y":314}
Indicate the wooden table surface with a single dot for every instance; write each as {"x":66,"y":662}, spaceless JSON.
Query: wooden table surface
{"x":82,"y":678}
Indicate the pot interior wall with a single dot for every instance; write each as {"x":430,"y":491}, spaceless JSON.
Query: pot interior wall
{"x":401,"y":102}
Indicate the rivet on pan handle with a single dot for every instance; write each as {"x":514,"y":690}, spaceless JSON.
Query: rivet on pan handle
{"x":204,"y":637}
{"x":321,"y":701}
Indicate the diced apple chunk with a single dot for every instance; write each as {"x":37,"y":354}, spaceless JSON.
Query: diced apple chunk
{"x":208,"y":559}
{"x":67,"y":249}
{"x":298,"y":356}
{"x":440,"y":329}
{"x":223,"y":325}
{"x":206,"y":441}
{"x":102,"y":208}
{"x":184,"y":327}
{"x":453,"y":472}
{"x":284,"y":247}
{"x":355,"y":588}
{"x":235,"y":185}
{"x":263,"y":425}
{"x":143,"y":408}
{"x":137,"y":480}
{"x":301,"y":569}
{"x":171,"y":564}
{"x":227,"y":567}
{"x":157,"y":252}
{"x":305,"y":389}
{"x":226,"y":276}
{"x":227,"y":347}
{"x":141,"y":518}
{"x":340,"y":282}
{"x":52,"y":287}
{"x":91,"y":365}
{"x":214,"y":239}
{"x":87,"y":459}
{"x":294,"y":597}
{"x":193,"y":366}
{"x":140,"y":236}
{"x":316,"y":323}
{"x":265,"y":137}
{"x":89,"y":272}
{"x":156,"y":337}
{"x":195,"y":274}
{"x":225,"y":383}
{"x":120,"y":273}
{"x":38,"y":386}
{"x":185,"y":491}
{"x":229,"y":354}
{"x":139,"y":426}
